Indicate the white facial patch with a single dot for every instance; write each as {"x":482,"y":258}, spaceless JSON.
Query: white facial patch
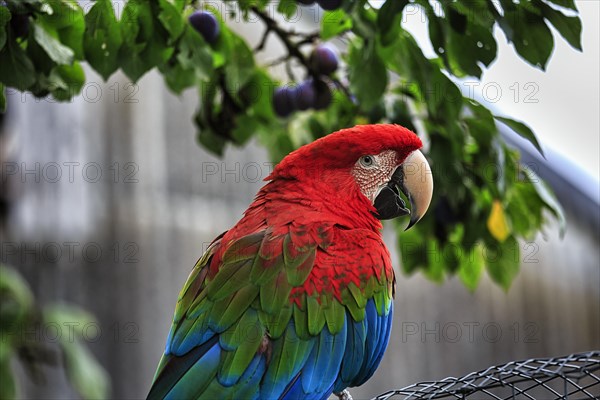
{"x":371,"y":177}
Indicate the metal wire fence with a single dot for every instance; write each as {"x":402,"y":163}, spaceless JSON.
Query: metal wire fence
{"x":573,"y":377}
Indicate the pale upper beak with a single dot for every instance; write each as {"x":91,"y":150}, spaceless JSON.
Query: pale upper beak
{"x":413,"y":177}
{"x":417,"y":185}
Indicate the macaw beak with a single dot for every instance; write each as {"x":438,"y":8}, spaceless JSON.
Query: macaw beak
{"x":413,"y":177}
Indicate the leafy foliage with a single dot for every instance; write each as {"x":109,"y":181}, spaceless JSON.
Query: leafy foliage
{"x":22,"y":339}
{"x":484,"y":202}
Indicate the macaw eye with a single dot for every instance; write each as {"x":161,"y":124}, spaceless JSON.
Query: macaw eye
{"x":367,"y":161}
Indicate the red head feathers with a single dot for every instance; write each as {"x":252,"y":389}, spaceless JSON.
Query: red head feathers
{"x":342,"y":149}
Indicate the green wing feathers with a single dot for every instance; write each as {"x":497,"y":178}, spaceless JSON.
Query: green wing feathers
{"x":254,"y":309}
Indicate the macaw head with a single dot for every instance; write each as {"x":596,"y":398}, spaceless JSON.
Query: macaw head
{"x":363,"y":170}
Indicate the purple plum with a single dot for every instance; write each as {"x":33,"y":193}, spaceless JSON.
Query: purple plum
{"x":206,"y":24}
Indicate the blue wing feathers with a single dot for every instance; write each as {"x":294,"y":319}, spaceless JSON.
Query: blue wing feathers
{"x":323,"y":365}
{"x":366,"y":343}
{"x":289,"y":356}
{"x":249,"y":382}
{"x":386,"y":328}
{"x":296,"y":392}
{"x":293,"y":390}
{"x":355,"y":350}
{"x":297,"y":369}
{"x":182,"y":344}
{"x":255,"y":371}
{"x":173,"y":369}
{"x":374,"y":322}
{"x":198,"y":377}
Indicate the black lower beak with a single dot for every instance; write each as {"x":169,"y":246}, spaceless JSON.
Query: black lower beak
{"x":388,"y":202}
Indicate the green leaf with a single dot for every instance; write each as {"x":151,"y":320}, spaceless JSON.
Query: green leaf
{"x":457,"y":20}
{"x":462,"y":40}
{"x":548,"y":198}
{"x":388,"y":14}
{"x":86,"y":375}
{"x":245,"y":127}
{"x":287,"y":7}
{"x":436,"y":262}
{"x":334,"y":23}
{"x":17,"y":298}
{"x":523,"y":130}
{"x":211,"y":141}
{"x":102,"y":38}
{"x":471,"y":266}
{"x":466,"y":51}
{"x":565,"y":3}
{"x":368,"y":75}
{"x":364,"y":24}
{"x":477,"y":11}
{"x":69,"y":316}
{"x":524,"y":208}
{"x":8,"y":388}
{"x":192,"y":64}
{"x":240,"y":64}
{"x":443,"y":99}
{"x":133,"y":17}
{"x":16,"y":69}
{"x":481,"y":125}
{"x":65,"y":21}
{"x":66,"y":81}
{"x":413,"y":247}
{"x":502,"y":261}
{"x":568,"y":27}
{"x":436,"y":26}
{"x":258,"y":92}
{"x":4,"y":18}
{"x":58,"y":52}
{"x":198,"y":51}
{"x":195,"y":54}
{"x":530,"y":35}
{"x":144,"y":39}
{"x":180,"y":5}
{"x":171,"y":19}
{"x":136,"y":20}
{"x":178,"y":78}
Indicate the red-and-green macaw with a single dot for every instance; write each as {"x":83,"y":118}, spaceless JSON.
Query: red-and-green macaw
{"x":295,"y":301}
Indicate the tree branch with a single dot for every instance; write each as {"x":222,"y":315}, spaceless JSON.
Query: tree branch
{"x":263,"y":41}
{"x":293,"y":48}
{"x":284,"y":36}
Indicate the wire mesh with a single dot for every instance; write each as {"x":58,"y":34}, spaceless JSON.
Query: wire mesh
{"x":573,"y":377}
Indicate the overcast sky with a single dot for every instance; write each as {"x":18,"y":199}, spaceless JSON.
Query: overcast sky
{"x":562,"y":104}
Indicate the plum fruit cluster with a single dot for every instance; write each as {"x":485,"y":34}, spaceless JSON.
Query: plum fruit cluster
{"x":206,"y":24}
{"x":312,"y":93}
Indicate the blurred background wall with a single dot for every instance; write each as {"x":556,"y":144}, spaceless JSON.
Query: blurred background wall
{"x":111,"y":201}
